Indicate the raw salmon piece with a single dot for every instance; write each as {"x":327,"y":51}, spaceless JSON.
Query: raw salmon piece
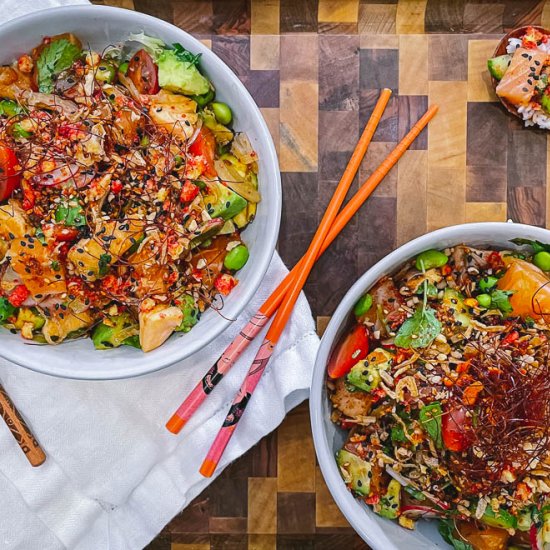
{"x":518,"y":83}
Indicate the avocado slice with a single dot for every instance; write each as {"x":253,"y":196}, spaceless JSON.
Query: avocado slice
{"x":502,"y":519}
{"x":545,"y":103}
{"x":390,"y":503}
{"x":355,"y":471}
{"x":365,"y":374}
{"x":499,"y":65}
{"x":453,"y":301}
{"x":223,"y":203}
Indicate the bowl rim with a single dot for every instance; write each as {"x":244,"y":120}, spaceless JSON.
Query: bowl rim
{"x":346,"y":502}
{"x":271,"y":231}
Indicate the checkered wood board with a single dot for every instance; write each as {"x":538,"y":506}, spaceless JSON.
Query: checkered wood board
{"x":315,"y":68}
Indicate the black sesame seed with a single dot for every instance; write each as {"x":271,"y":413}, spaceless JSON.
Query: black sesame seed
{"x":525,"y":89}
{"x":537,"y":63}
{"x":524,"y":55}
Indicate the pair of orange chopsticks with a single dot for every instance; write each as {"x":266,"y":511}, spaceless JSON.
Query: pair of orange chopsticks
{"x":285,"y":296}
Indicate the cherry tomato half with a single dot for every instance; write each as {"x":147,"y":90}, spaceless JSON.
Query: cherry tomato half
{"x":143,"y":72}
{"x":353,"y":348}
{"x":9,"y":178}
{"x":455,"y":426}
{"x":205,"y":146}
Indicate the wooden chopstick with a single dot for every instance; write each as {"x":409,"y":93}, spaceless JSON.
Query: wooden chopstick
{"x":20,"y":431}
{"x":199,"y":393}
{"x":283,"y":313}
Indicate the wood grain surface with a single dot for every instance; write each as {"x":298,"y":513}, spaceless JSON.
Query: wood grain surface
{"x":315,"y":67}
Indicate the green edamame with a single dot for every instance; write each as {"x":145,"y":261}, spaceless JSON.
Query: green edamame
{"x":236,"y":258}
{"x":484,"y":300}
{"x":487,"y":282}
{"x":222,"y":112}
{"x":542,"y":260}
{"x":363,"y":305}
{"x":430,"y":259}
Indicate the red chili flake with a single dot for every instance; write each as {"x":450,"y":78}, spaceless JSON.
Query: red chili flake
{"x":378,"y":394}
{"x":347,"y":424}
{"x":446,"y":270}
{"x":189,"y":191}
{"x":116,"y":186}
{"x":511,"y":337}
{"x":373,"y":499}
{"x":225,"y":283}
{"x":29,"y":195}
{"x":463,"y":367}
{"x":18,"y":295}
{"x":197,"y":274}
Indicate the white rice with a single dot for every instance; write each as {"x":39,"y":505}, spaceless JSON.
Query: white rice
{"x":532,"y":113}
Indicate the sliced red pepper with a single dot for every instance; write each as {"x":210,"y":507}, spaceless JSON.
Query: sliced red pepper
{"x":353,"y":348}
{"x":225,"y":283}
{"x":511,"y":337}
{"x":205,"y":147}
{"x":18,"y":295}
{"x":9,"y":178}
{"x":188,"y":191}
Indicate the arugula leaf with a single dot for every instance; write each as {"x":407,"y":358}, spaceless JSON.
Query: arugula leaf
{"x":446,"y":530}
{"x":537,"y":246}
{"x":186,"y":55}
{"x":420,"y":330}
{"x":104,"y":263}
{"x":430,"y":418}
{"x":500,"y":300}
{"x":56,"y":57}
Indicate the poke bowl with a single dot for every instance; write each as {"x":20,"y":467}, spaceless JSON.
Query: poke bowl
{"x":519,"y":72}
{"x":141,"y":202}
{"x":410,"y":425}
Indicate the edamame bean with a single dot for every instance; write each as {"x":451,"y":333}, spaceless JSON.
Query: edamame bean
{"x":488,"y":282}
{"x":222,"y":112}
{"x":236,"y":258}
{"x":542,"y":260}
{"x":363,"y":305}
{"x":484,"y":300}
{"x":429,"y":259}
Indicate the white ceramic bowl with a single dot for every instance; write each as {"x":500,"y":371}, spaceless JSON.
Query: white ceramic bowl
{"x":380,"y":533}
{"x":99,"y":26}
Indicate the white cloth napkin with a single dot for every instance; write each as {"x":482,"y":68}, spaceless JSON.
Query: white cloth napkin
{"x":114,"y":475}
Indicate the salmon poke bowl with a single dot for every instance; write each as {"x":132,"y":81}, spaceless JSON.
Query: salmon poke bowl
{"x":136,"y":170}
{"x":520,"y":70}
{"x":430,"y":401}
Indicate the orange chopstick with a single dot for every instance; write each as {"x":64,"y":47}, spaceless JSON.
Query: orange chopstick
{"x":203,"y":388}
{"x":317,"y":246}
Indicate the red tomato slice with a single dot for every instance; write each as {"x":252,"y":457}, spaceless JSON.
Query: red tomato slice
{"x":205,"y":146}
{"x":455,"y":426}
{"x":143,"y":72}
{"x":353,"y":348}
{"x":9,"y":178}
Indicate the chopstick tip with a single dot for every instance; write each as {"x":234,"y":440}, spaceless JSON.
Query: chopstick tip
{"x":175,"y":424}
{"x":208,"y":467}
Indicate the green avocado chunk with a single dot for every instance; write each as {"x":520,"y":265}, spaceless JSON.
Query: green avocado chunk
{"x":221,"y":202}
{"x":499,"y":65}
{"x":545,"y":103}
{"x":390,"y":503}
{"x":180,"y":76}
{"x":355,"y":471}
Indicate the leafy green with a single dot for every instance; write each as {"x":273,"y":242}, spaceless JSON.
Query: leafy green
{"x":124,"y":331}
{"x":56,"y":57}
{"x":17,"y":131}
{"x":186,"y":55}
{"x":418,"y":495}
{"x":155,"y":46}
{"x":430,"y":418}
{"x":6,"y":309}
{"x":420,"y":330}
{"x":10,"y":108}
{"x":70,"y":215}
{"x":500,"y":300}
{"x":446,"y":530}
{"x":398,"y":434}
{"x":104,"y":263}
{"x":537,"y":246}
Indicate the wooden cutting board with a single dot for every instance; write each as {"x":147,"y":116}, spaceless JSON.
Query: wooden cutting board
{"x":315,"y":67}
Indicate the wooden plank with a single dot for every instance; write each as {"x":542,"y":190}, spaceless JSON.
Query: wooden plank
{"x":265,"y":17}
{"x":413,"y":64}
{"x":262,"y":505}
{"x":479,"y":82}
{"x":410,"y":16}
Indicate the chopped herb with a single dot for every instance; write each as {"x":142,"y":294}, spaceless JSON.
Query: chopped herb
{"x":104,"y":263}
{"x":430,"y":418}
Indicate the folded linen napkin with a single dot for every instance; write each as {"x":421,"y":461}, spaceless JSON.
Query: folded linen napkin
{"x":114,"y":475}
